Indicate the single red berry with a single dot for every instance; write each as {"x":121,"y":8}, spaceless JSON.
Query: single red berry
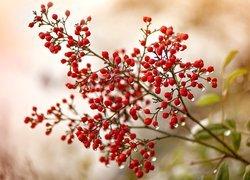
{"x":50,"y":4}
{"x":165,"y":115}
{"x":151,"y":144}
{"x":184,"y":36}
{"x":163,"y":29}
{"x":147,"y":121}
{"x":164,"y":104}
{"x":105,"y":55}
{"x":31,"y":25}
{"x":54,"y":16}
{"x":67,"y":13}
{"x":210,"y":69}
{"x":146,"y":111}
{"x":139,"y":174}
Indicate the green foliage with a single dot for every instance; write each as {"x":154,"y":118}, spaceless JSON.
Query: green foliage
{"x":236,"y":140}
{"x":208,"y":99}
{"x":230,"y":123}
{"x":246,"y":175}
{"x":229,"y":58}
{"x":223,"y":172}
{"x":233,"y":75}
{"x":217,"y":129}
{"x":248,"y":142}
{"x":248,"y":126}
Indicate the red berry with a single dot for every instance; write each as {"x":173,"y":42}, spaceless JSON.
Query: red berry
{"x":67,"y":13}
{"x":105,"y":55}
{"x":210,"y":69}
{"x":139,"y":174}
{"x":151,"y":144}
{"x":163,"y":29}
{"x":184,"y":36}
{"x":54,"y":16}
{"x":147,"y":121}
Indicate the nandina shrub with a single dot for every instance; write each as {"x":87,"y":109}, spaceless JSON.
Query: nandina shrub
{"x":131,"y":91}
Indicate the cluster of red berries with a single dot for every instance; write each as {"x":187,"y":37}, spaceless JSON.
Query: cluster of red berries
{"x":120,"y":93}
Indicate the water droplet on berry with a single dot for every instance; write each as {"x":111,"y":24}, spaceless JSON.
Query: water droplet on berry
{"x":183,"y":123}
{"x":135,"y":149}
{"x":176,"y":125}
{"x":227,"y":133}
{"x":153,"y":159}
{"x":122,"y":166}
{"x":203,"y":89}
{"x":157,"y":127}
{"x":192,"y":99}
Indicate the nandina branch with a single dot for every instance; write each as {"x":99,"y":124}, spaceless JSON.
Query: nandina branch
{"x":120,"y":93}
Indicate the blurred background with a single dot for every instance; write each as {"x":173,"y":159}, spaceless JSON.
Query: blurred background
{"x":30,"y":75}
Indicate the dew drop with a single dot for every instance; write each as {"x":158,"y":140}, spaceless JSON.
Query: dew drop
{"x":192,"y":99}
{"x":176,"y":125}
{"x":203,"y":89}
{"x":207,"y":73}
{"x":161,"y":109}
{"x":107,"y":165}
{"x":153,"y":159}
{"x":135,"y":149}
{"x":122,"y":166}
{"x":157,"y":127}
{"x":183,"y":123}
{"x":95,"y":149}
{"x":215,"y":171}
{"x":227,"y":133}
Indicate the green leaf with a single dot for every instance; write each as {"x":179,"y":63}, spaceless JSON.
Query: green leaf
{"x":208,"y":99}
{"x":217,"y":129}
{"x":248,"y":142}
{"x":246,"y":175}
{"x":201,"y":178}
{"x":229,"y":57}
{"x":248,"y":125}
{"x":235,"y":74}
{"x":230,"y":123}
{"x":236,"y":140}
{"x":223,"y":172}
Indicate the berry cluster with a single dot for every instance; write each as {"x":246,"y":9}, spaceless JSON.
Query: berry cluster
{"x":120,"y":93}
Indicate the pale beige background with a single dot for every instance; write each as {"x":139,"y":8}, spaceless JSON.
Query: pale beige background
{"x":30,"y":75}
